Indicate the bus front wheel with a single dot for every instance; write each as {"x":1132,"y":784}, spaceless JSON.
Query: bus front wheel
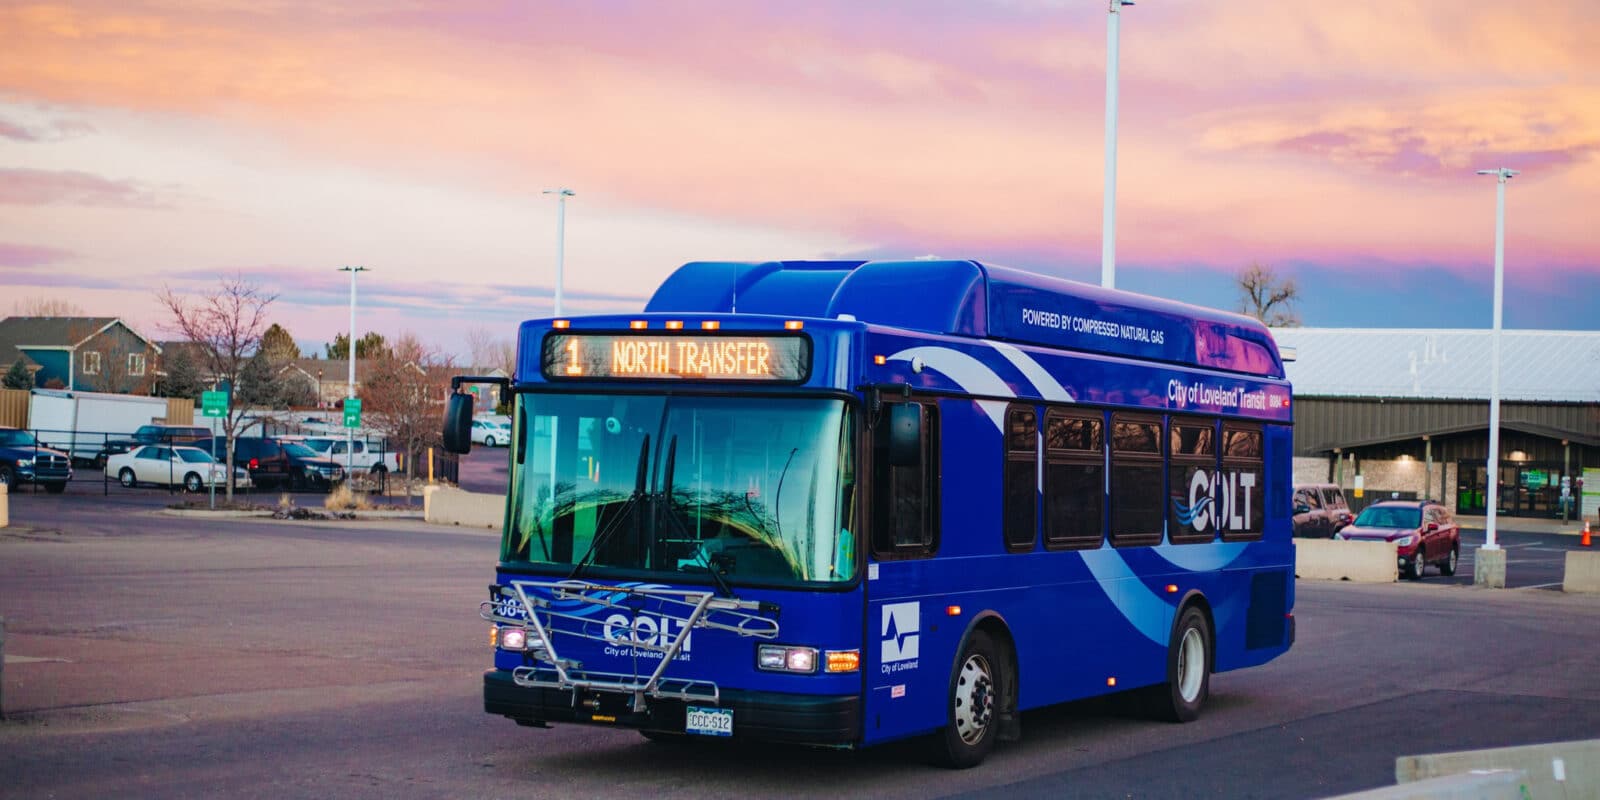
{"x":1188,"y":669}
{"x":977,"y":692}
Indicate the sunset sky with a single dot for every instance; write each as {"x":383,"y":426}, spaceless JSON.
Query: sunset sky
{"x":146,"y":143}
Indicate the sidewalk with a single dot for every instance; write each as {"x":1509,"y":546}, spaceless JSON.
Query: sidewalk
{"x":1573,"y":527}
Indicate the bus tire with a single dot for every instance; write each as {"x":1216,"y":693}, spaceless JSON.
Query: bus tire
{"x":976,"y":696}
{"x":1189,"y":660}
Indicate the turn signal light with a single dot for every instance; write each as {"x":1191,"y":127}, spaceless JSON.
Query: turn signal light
{"x":880,"y":360}
{"x":844,"y":660}
{"x":1172,"y":588}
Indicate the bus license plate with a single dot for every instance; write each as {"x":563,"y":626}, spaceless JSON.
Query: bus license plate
{"x":709,"y":721}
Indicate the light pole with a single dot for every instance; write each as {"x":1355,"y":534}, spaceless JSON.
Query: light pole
{"x":561,"y":237}
{"x":1501,"y":176}
{"x":1108,"y":216}
{"x":350,"y":388}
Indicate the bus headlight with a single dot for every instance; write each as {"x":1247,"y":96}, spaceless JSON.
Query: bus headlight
{"x":782,"y":658}
{"x":513,"y":639}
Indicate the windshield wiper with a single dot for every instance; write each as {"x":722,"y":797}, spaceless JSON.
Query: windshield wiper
{"x":682,"y":530}
{"x":626,"y":512}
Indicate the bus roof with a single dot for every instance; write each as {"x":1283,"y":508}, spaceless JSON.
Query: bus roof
{"x":968,"y":298}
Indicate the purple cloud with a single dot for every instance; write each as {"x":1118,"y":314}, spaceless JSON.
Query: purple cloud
{"x":38,"y":187}
{"x":16,"y":132}
{"x":27,"y":256}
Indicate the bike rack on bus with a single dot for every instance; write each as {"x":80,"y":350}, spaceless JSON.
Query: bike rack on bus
{"x":692,"y":609}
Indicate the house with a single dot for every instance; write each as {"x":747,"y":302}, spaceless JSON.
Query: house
{"x":100,"y":354}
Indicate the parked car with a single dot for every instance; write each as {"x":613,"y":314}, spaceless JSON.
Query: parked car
{"x":490,"y":433}
{"x":1423,"y":531}
{"x":1320,"y":510}
{"x":153,"y":434}
{"x":370,"y":457}
{"x":263,"y":458}
{"x":24,"y":460}
{"x":309,"y":469}
{"x":189,"y":467}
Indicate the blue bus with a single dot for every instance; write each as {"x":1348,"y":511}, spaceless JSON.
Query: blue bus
{"x":846,"y":503}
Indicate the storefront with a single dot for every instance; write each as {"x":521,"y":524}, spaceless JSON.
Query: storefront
{"x":1527,"y":489}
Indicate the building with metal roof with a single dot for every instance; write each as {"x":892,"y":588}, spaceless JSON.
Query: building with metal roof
{"x":1407,"y":410}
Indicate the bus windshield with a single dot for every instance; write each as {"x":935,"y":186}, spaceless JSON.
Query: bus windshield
{"x":758,"y":491}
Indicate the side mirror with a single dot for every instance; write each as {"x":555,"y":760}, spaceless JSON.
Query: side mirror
{"x":905,"y":434}
{"x":1302,"y":509}
{"x":458,"y":423}
{"x":1433,"y":526}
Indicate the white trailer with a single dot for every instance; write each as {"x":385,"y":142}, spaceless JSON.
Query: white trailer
{"x":81,"y":422}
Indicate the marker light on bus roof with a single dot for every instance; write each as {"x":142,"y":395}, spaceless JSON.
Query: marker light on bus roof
{"x":674,"y":325}
{"x":710,"y":325}
{"x":561,"y":324}
{"x":793,"y":325}
{"x":880,"y":360}
{"x":639,"y":324}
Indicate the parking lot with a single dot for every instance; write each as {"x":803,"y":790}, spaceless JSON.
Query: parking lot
{"x":162,"y":656}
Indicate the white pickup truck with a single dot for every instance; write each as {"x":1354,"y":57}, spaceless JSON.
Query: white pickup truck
{"x":369,"y":456}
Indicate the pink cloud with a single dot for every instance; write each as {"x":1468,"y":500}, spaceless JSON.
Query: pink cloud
{"x":30,"y":187}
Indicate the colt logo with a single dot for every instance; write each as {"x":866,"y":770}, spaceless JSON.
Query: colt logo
{"x":1223,"y":498}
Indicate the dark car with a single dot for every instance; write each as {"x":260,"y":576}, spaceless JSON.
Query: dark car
{"x":309,"y":469}
{"x":154,"y":434}
{"x":1423,"y":531}
{"x":24,"y":460}
{"x":1320,"y":510}
{"x":263,"y":458}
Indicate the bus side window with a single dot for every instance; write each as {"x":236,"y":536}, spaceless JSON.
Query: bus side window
{"x":1192,"y":443}
{"x":1020,"y":478}
{"x":1240,"y":485}
{"x":1136,"y":467}
{"x":905,"y":507}
{"x":1074,"y":480}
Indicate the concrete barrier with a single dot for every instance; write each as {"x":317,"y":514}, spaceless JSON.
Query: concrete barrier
{"x":1582,"y":572}
{"x":447,"y":506}
{"x":1334,"y":560}
{"x":1493,"y":784}
{"x":1560,"y":769}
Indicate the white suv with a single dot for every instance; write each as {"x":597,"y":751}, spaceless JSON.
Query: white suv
{"x":369,"y":456}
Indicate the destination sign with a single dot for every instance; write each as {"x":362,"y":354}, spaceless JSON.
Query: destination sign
{"x":783,"y":359}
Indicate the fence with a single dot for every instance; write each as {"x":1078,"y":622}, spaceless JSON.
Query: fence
{"x":14,"y":408}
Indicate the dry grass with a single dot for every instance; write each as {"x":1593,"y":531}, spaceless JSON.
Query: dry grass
{"x":343,"y":499}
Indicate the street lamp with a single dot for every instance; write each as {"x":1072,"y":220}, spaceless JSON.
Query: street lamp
{"x":561,"y":236}
{"x":1501,"y":176}
{"x":1108,"y":216}
{"x":350,"y":388}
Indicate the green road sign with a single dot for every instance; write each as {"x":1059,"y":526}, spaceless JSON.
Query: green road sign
{"x":214,"y":404}
{"x":352,"y":412}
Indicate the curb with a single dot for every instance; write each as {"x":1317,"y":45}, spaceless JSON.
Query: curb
{"x":206,"y":513}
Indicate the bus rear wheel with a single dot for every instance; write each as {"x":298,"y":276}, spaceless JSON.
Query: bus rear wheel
{"x":976,"y":696}
{"x":1188,"y":669}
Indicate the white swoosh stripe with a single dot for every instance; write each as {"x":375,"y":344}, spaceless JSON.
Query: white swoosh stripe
{"x":1048,"y":387}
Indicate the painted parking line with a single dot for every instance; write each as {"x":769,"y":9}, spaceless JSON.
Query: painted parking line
{"x":1540,"y":585}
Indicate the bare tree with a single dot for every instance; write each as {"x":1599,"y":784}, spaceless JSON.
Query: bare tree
{"x":403,"y":392}
{"x":1263,"y":296}
{"x":45,"y":307}
{"x":226,"y":325}
{"x":486,"y":350}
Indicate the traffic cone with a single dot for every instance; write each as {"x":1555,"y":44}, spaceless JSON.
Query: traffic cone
{"x":1584,"y":542}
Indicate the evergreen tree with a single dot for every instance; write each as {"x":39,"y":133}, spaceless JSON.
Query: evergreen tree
{"x":17,"y":377}
{"x":279,"y":345}
{"x":183,"y":374}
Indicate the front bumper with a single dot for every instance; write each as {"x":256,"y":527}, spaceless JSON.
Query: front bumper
{"x":765,"y":716}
